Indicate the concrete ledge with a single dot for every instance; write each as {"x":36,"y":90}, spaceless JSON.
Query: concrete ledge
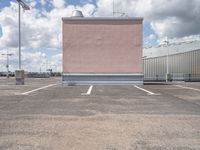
{"x":102,"y":79}
{"x":19,"y":76}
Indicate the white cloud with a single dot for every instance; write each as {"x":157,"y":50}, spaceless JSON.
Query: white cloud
{"x":185,"y":39}
{"x":43,"y":29}
{"x":40,"y":29}
{"x":3,"y":58}
{"x":87,"y":9}
{"x":176,"y":19}
{"x":31,"y":61}
{"x":43,"y":2}
{"x":149,"y":40}
{"x":59,"y":3}
{"x":168,"y":18}
{"x":56,"y":62}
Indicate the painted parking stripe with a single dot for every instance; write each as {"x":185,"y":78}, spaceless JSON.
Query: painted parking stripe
{"x":89,"y":91}
{"x":149,"y":92}
{"x":186,"y":87}
{"x":44,"y":87}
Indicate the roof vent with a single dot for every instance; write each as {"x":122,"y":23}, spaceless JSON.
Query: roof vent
{"x":77,"y":13}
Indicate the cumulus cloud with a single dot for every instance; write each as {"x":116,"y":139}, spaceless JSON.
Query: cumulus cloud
{"x":59,"y":3}
{"x":43,"y":2}
{"x":174,"y":18}
{"x":3,"y":59}
{"x":168,"y":18}
{"x":56,"y":62}
{"x":149,"y":39}
{"x":39,"y":29}
{"x":42,"y":29}
{"x":31,"y":61}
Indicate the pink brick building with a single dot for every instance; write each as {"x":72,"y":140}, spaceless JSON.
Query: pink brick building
{"x":102,"y":50}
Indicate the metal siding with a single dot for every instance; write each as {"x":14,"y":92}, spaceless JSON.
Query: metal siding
{"x":198,"y":62}
{"x":179,"y":65}
{"x":174,"y":48}
{"x":102,"y":79}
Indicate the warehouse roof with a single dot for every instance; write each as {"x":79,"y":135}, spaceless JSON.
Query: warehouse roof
{"x":103,"y":18}
{"x":171,"y":49}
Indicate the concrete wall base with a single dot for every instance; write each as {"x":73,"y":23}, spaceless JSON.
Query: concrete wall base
{"x":19,"y":77}
{"x":102,"y":79}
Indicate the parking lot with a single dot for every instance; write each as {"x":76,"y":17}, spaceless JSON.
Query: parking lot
{"x":44,"y":114}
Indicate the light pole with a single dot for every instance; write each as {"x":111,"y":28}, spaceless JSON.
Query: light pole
{"x":7,"y":65}
{"x":25,"y":7}
{"x":46,"y":64}
{"x":144,"y":67}
{"x":55,"y":68}
{"x":167,"y":63}
{"x":19,"y":74}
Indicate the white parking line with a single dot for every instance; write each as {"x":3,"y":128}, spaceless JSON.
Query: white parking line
{"x":89,"y":91}
{"x":189,"y":88}
{"x":44,"y":87}
{"x":149,"y":92}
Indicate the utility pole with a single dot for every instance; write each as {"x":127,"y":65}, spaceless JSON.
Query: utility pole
{"x":7,"y":64}
{"x":167,"y":63}
{"x":25,"y":7}
{"x":19,"y":74}
{"x":19,"y":17}
{"x":144,"y":67}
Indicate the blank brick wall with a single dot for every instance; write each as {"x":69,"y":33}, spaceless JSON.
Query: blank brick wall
{"x":97,"y":46}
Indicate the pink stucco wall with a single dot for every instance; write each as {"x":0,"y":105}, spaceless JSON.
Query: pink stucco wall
{"x":102,"y":46}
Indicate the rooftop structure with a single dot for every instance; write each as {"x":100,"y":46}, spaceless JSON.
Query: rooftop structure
{"x":177,"y":61}
{"x":171,"y":49}
{"x":102,"y":50}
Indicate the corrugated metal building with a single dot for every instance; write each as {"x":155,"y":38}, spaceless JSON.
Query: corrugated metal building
{"x":102,"y":50}
{"x":183,"y":62}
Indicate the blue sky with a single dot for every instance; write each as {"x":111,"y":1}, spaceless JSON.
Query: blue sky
{"x":4,"y":3}
{"x":41,"y":26}
{"x":48,"y":7}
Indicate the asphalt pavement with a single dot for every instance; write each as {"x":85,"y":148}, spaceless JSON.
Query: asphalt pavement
{"x":44,"y":114}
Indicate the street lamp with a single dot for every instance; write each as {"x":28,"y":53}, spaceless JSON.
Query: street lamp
{"x":19,"y":74}
{"x":167,"y":63}
{"x":25,"y":7}
{"x":7,"y":65}
{"x":144,"y":67}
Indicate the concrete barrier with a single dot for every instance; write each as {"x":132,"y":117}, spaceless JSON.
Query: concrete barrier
{"x":19,"y":76}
